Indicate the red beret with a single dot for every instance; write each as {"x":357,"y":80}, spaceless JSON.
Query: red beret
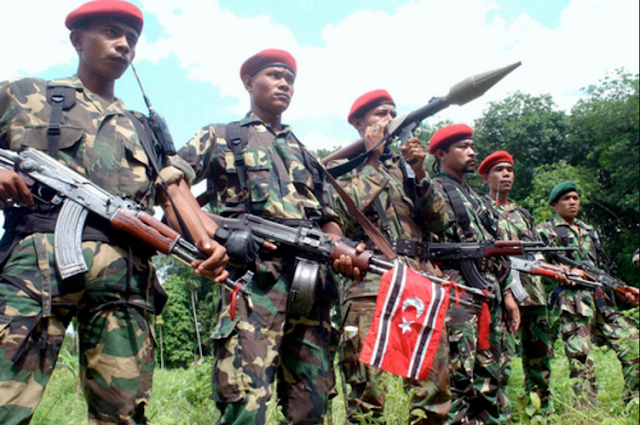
{"x":448,"y":135}
{"x":493,"y":159}
{"x":107,"y":8}
{"x":369,"y":101}
{"x":266,"y":58}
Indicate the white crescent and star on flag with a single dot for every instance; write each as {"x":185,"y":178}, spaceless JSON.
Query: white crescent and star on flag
{"x":416,"y":303}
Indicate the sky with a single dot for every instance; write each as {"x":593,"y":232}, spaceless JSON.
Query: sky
{"x":190,"y":53}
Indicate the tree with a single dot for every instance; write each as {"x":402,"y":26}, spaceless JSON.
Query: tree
{"x":530,"y":128}
{"x":605,"y":137}
{"x":179,"y":333}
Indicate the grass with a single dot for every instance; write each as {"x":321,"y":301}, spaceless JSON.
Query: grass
{"x":181,"y":397}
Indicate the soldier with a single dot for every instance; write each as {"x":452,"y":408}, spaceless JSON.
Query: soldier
{"x":257,"y":165}
{"x":402,"y":208}
{"x":478,"y":392}
{"x":582,"y":319}
{"x":114,"y":300}
{"x":497,"y":170}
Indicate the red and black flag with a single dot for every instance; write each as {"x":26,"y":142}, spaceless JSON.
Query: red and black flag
{"x":407,"y":323}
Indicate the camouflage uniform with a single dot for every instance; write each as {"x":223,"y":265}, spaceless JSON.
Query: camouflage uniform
{"x":534,"y":315}
{"x":478,"y":393}
{"x":409,"y":210}
{"x":265,"y":341}
{"x":582,"y":323}
{"x":113,"y":300}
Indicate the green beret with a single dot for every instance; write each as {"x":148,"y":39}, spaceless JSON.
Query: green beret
{"x":561,"y":189}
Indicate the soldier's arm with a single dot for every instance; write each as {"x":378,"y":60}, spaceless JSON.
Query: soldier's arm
{"x":11,"y":185}
{"x":191,"y":215}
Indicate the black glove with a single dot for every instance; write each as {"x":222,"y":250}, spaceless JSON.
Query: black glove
{"x":241,"y":245}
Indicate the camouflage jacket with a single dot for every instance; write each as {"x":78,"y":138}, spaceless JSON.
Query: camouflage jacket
{"x":579,"y":300}
{"x":411,"y":210}
{"x":97,"y":139}
{"x":279,"y":184}
{"x":584,"y":238}
{"x":495,"y":271}
{"x":517,"y":226}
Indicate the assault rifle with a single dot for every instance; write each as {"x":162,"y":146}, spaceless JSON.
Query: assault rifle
{"x":601,"y":277}
{"x":51,"y":182}
{"x":466,"y":255}
{"x":405,"y":125}
{"x":312,"y":247}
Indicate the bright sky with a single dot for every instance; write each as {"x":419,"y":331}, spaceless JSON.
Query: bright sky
{"x":191,"y":51}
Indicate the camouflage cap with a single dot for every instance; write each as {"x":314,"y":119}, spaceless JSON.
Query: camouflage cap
{"x":560,"y":189}
{"x":107,"y":8}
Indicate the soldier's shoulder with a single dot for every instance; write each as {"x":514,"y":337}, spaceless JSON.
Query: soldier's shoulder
{"x":24,"y":85}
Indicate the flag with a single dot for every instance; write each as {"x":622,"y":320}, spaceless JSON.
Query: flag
{"x":407,"y":323}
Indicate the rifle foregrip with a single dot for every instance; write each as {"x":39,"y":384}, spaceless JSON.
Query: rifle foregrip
{"x":127,"y":223}
{"x":361,"y":261}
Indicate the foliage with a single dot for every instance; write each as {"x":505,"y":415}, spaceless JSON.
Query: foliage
{"x":596,"y":146}
{"x":322,"y":153}
{"x":605,"y":137}
{"x":181,"y":396}
{"x":530,"y":128}
{"x":179,"y":339}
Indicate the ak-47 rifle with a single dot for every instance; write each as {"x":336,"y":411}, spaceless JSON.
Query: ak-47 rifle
{"x":466,"y":254}
{"x":313,"y":247}
{"x":404,"y":126}
{"x":79,"y":196}
{"x":600,"y":277}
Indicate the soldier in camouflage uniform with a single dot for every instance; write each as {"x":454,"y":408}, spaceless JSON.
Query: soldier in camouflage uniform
{"x":478,"y":391}
{"x":497,"y":170}
{"x":402,"y":208}
{"x":582,"y":320}
{"x":114,"y":300}
{"x":270,"y":174}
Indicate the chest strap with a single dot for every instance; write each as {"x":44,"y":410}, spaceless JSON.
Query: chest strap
{"x":61,"y":99}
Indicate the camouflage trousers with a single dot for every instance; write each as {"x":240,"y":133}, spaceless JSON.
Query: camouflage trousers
{"x":432,"y":397}
{"x":112,"y":303}
{"x":477,"y":382}
{"x":534,"y":350}
{"x":264,"y":344}
{"x":581,"y":325}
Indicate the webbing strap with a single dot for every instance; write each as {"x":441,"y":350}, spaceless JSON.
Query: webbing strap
{"x":462,"y":218}
{"x":61,"y":99}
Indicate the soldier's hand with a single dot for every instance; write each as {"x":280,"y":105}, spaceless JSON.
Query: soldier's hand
{"x":345,"y":266}
{"x":631,"y":296}
{"x":414,"y":153}
{"x":512,"y":312}
{"x":13,"y":188}
{"x":372,"y":135}
{"x":214,"y":266}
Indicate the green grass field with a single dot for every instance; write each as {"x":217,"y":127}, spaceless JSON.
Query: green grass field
{"x":181,"y":397}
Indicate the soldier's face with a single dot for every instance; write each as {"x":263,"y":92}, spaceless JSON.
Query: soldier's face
{"x":568,"y":205}
{"x":500,"y":177}
{"x":105,"y":47}
{"x":380,"y":116}
{"x":460,"y":158}
{"x":271,"y":89}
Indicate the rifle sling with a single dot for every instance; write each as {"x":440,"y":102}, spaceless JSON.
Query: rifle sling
{"x":372,"y":231}
{"x":344,"y":168}
{"x":146,"y":138}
